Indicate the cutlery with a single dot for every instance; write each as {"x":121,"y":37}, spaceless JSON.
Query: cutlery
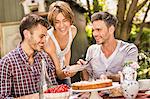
{"x":88,"y":61}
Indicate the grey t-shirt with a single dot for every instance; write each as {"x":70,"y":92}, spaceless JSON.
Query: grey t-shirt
{"x":114,"y":63}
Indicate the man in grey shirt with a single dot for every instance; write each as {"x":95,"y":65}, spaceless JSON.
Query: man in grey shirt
{"x":108,"y":54}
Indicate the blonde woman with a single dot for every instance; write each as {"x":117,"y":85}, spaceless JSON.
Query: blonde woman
{"x":60,"y":38}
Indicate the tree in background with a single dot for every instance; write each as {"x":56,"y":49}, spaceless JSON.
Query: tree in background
{"x":126,"y":15}
{"x":137,"y":40}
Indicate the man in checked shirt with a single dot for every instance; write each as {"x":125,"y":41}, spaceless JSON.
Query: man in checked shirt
{"x":20,"y":68}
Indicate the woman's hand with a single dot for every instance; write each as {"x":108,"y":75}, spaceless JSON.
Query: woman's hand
{"x":73,"y":69}
{"x":69,"y":74}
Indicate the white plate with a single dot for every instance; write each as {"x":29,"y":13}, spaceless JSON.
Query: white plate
{"x":114,"y":84}
{"x":147,"y":92}
{"x":62,"y":95}
{"x":75,"y":68}
{"x":144,"y":84}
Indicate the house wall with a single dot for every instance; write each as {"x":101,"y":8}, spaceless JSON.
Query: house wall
{"x":10,"y":36}
{"x":10,"y":11}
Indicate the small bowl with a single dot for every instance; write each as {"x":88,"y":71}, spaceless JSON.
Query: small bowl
{"x":62,"y":95}
{"x":144,"y":84}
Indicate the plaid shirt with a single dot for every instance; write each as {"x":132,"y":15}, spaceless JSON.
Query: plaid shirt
{"x":18,"y":77}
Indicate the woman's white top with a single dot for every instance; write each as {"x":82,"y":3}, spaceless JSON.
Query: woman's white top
{"x":61,"y":53}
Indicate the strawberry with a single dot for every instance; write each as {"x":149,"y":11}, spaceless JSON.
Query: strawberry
{"x":58,"y":89}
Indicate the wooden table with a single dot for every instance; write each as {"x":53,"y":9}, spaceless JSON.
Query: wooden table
{"x":141,"y":95}
{"x":31,"y":96}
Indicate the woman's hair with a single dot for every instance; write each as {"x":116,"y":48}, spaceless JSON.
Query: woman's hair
{"x":108,"y":18}
{"x":60,"y":7}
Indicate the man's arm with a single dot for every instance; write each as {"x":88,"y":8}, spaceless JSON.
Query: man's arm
{"x":85,"y":75}
{"x":5,"y":79}
{"x":132,"y":53}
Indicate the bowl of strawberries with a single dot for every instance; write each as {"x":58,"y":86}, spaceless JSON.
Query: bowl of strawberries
{"x":58,"y":92}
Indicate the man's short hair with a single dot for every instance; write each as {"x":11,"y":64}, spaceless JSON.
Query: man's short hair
{"x":30,"y":21}
{"x":108,"y":18}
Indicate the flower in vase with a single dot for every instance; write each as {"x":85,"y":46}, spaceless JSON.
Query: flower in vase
{"x":132,"y":64}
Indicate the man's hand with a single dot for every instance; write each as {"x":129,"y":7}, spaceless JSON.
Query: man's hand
{"x":103,"y":77}
{"x":114,"y":77}
{"x":81,"y":62}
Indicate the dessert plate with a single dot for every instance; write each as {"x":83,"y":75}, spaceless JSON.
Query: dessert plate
{"x":114,"y":84}
{"x":147,"y":92}
{"x":76,"y":68}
